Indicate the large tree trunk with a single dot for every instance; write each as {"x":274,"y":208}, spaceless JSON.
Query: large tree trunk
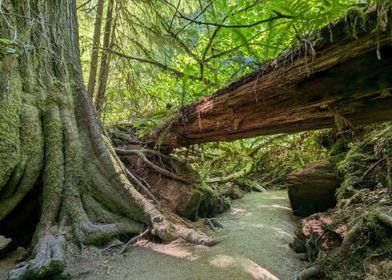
{"x":53,"y":145}
{"x":341,"y":75}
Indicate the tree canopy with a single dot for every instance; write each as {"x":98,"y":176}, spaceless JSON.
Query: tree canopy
{"x":168,"y":53}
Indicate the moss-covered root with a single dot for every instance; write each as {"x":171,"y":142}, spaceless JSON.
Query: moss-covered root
{"x":49,"y":260}
{"x":10,"y":107}
{"x":309,"y":273}
{"x":194,"y":237}
{"x":351,"y":236}
{"x":30,"y":163}
{"x":385,"y":219}
{"x":355,"y":232}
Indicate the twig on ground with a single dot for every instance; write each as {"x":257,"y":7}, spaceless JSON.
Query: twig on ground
{"x":132,"y":240}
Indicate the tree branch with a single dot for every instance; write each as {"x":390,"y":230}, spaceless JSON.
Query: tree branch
{"x":278,"y":16}
{"x":151,"y":165}
{"x":164,"y":67}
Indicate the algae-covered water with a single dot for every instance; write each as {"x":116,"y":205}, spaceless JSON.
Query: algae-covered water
{"x":257,"y":232}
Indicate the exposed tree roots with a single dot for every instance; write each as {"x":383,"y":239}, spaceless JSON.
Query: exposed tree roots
{"x":49,"y":259}
{"x":54,"y":143}
{"x":132,"y":240}
{"x":308,"y":273}
{"x":385,"y":219}
{"x":152,"y":165}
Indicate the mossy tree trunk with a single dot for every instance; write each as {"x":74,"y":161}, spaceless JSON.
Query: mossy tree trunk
{"x":51,"y":139}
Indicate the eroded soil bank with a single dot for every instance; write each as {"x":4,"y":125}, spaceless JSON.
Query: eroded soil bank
{"x":256,"y":236}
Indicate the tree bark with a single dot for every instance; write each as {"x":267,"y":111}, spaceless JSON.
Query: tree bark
{"x":94,"y":53}
{"x":331,"y":79}
{"x":108,"y":38}
{"x":52,"y":144}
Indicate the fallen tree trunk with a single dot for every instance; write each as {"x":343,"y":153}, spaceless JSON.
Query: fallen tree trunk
{"x":337,"y":80}
{"x":312,"y":189}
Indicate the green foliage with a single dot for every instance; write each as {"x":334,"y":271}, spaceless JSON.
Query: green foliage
{"x":6,"y":46}
{"x":200,"y":46}
{"x":370,"y":150}
{"x":272,"y":157}
{"x":170,"y":53}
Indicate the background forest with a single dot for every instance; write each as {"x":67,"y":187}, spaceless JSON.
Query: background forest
{"x":70,"y":184}
{"x":165,"y":54}
{"x":142,"y":60}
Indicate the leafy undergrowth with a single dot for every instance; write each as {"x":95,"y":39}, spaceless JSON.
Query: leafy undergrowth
{"x":232,"y":168}
{"x":351,"y":241}
{"x":229,"y":170}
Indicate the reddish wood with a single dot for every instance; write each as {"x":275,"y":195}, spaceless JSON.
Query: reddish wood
{"x":312,"y":189}
{"x":296,"y":92}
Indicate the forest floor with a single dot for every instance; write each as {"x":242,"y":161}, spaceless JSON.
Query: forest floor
{"x":255,"y":245}
{"x":256,"y":236}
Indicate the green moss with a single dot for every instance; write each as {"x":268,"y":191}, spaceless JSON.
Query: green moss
{"x":53,"y":175}
{"x":31,"y":142}
{"x":191,"y":211}
{"x":213,"y":202}
{"x":375,"y":145}
{"x":356,"y":20}
{"x":10,"y":109}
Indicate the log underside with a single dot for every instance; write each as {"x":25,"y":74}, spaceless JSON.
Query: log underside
{"x":341,"y":83}
{"x":312,"y":189}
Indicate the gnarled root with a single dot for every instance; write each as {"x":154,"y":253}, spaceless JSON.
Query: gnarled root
{"x":385,"y":219}
{"x":350,"y":237}
{"x":308,"y":273}
{"x":49,"y":259}
{"x":194,"y":237}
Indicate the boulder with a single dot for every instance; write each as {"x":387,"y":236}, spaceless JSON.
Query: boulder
{"x":312,"y":189}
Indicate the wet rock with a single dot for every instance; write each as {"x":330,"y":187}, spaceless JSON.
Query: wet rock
{"x":312,"y":189}
{"x":4,"y":242}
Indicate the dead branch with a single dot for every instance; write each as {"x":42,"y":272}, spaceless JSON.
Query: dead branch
{"x":164,"y":67}
{"x":132,"y":240}
{"x":145,"y":151}
{"x":371,"y":168}
{"x":152,"y":165}
{"x":136,"y":181}
{"x":209,"y":223}
{"x":278,"y":16}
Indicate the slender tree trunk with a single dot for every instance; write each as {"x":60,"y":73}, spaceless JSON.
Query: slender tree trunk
{"x":94,"y":54}
{"x":52,"y":144}
{"x":105,"y":59}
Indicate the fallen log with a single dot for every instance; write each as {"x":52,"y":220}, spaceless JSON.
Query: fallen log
{"x":239,"y":174}
{"x":337,"y":79}
{"x":312,"y":189}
